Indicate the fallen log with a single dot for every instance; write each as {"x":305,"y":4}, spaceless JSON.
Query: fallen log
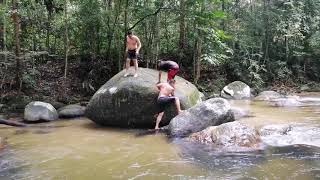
{"x":12,"y":123}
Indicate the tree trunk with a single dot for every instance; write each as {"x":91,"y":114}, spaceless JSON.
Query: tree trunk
{"x":2,"y":33}
{"x":109,"y":4}
{"x":111,"y":32}
{"x":48,"y":31}
{"x":3,"y":28}
{"x":198,"y":65}
{"x":266,"y":29}
{"x":12,"y":123}
{"x":166,"y":33}
{"x":223,"y":8}
{"x":194,"y":72}
{"x":125,"y":28}
{"x":182,"y":24}
{"x":146,"y":43}
{"x":66,"y":43}
{"x":16,"y":22}
{"x":157,"y":38}
{"x":33,"y":31}
{"x":120,"y":54}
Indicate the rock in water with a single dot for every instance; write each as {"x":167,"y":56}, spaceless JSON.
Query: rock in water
{"x":236,"y":90}
{"x":131,"y":101}
{"x":232,"y":136}
{"x":37,"y":110}
{"x":71,"y":111}
{"x":267,"y":96}
{"x":211,"y":112}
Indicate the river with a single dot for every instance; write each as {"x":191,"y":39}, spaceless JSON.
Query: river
{"x":79,"y":150}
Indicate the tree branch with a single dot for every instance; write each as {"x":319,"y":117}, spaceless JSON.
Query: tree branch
{"x":140,"y":20}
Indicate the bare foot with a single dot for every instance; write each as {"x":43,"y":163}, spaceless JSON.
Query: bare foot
{"x":156,"y":128}
{"x":181,"y":111}
{"x":135,"y":75}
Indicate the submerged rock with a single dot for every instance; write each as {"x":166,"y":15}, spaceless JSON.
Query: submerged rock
{"x":240,"y":113}
{"x":267,"y":96}
{"x":131,"y":101}
{"x":275,"y":129}
{"x":233,"y":136}
{"x":236,"y":90}
{"x":37,"y":110}
{"x":71,"y":111}
{"x":208,"y":113}
{"x":290,"y":101}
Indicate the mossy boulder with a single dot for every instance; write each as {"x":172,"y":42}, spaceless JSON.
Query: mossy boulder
{"x":131,"y":101}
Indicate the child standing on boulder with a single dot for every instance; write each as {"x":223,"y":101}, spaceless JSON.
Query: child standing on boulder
{"x":132,"y":50}
{"x":165,"y":98}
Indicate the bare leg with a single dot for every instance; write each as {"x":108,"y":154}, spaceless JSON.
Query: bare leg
{"x":159,"y":118}
{"x":177,"y":102}
{"x":135,"y":61}
{"x":127,"y":67}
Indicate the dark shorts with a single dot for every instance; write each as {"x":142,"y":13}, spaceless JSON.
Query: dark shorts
{"x":164,"y":101}
{"x":132,"y":54}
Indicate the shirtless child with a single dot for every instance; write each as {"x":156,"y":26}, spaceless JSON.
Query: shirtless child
{"x":132,"y":50}
{"x":165,"y":98}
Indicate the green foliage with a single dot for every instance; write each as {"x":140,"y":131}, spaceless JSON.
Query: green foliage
{"x":29,"y":78}
{"x":259,"y":41}
{"x":216,"y":51}
{"x":315,"y":42}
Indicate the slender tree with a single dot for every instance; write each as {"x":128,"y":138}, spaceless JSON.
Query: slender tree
{"x":66,"y":47}
{"x":16,"y":22}
{"x":3,"y":26}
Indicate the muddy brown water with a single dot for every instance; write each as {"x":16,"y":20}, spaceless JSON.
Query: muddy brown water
{"x":78,"y":149}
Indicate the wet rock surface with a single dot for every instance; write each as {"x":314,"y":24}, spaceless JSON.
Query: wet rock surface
{"x":211,"y":112}
{"x":232,"y":136}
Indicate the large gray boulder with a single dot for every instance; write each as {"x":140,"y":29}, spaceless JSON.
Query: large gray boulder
{"x":211,"y":112}
{"x":131,"y":101}
{"x":232,"y":136}
{"x":236,"y":90}
{"x":37,"y":110}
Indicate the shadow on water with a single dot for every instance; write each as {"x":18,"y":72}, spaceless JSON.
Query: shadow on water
{"x":136,"y":132}
{"x":97,"y":127}
{"x":146,"y":132}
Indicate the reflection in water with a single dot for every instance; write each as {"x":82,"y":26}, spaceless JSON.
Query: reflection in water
{"x":82,"y":150}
